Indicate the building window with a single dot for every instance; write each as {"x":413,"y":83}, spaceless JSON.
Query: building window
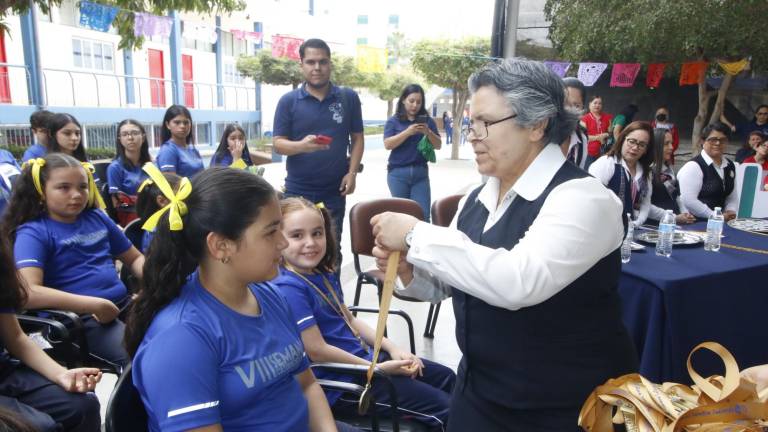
{"x":362,"y":19}
{"x":93,"y":55}
{"x":194,"y":43}
{"x":394,"y":20}
{"x":362,"y":41}
{"x":227,"y":44}
{"x":232,"y":75}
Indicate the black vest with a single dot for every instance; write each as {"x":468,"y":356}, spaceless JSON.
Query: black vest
{"x":661,"y":198}
{"x":548,"y":355}
{"x":714,"y":189}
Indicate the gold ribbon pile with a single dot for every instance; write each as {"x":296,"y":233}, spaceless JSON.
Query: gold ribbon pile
{"x":715,"y":404}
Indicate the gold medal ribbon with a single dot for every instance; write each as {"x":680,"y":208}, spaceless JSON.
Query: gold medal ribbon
{"x":176,"y":207}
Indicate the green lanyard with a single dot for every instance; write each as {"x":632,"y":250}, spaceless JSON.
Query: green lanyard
{"x":336,"y":304}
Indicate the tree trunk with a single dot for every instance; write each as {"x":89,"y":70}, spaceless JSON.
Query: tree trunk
{"x":701,"y":115}
{"x":459,"y":100}
{"x":721,"y":97}
{"x":390,"y":106}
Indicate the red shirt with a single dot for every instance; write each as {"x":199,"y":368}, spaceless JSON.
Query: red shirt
{"x":596,"y":126}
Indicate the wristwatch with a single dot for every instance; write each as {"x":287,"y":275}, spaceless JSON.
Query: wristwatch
{"x":408,"y":237}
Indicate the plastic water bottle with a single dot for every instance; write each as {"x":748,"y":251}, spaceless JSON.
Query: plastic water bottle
{"x":714,"y":230}
{"x":626,"y":247}
{"x":666,"y":235}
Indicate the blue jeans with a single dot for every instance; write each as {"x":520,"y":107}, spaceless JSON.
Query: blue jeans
{"x":411,"y":182}
{"x":448,"y":135}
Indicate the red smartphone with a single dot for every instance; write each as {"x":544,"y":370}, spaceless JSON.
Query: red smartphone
{"x":323,"y":140}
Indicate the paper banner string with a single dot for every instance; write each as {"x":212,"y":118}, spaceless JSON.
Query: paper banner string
{"x":200,"y":32}
{"x":256,"y":37}
{"x":145,"y":24}
{"x":655,"y":74}
{"x":371,"y":59}
{"x":733,"y":68}
{"x":96,"y":16}
{"x":624,"y":74}
{"x":560,"y":68}
{"x":286,"y":46}
{"x":692,"y":72}
{"x":590,"y":72}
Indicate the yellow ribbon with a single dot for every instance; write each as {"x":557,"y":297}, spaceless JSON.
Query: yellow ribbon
{"x":320,"y":205}
{"x":734,"y":68}
{"x":94,"y":197}
{"x":144,"y":184}
{"x":239,"y":164}
{"x":36,"y":165}
{"x":176,"y":207}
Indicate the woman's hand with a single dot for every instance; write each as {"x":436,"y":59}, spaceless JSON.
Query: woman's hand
{"x":236,"y":149}
{"x":685,"y":218}
{"x":416,"y":128}
{"x":404,"y":268}
{"x":728,"y":215}
{"x":389,"y":229}
{"x":79,"y":380}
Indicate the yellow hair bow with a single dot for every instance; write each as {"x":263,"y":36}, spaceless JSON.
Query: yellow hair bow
{"x":144,"y":184}
{"x":176,"y":207}
{"x":239,"y":164}
{"x":94,"y":197}
{"x":319,"y":206}
{"x":36,"y":165}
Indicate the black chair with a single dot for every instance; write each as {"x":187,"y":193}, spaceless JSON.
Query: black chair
{"x":371,"y":420}
{"x":125,"y":410}
{"x":62,"y":343}
{"x":362,"y":240}
{"x":443,"y":211}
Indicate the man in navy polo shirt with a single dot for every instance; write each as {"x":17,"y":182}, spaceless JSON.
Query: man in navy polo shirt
{"x":305,"y":120}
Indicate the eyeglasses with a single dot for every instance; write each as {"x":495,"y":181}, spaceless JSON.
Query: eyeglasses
{"x":132,"y":134}
{"x":481,"y":133}
{"x":640,"y":145}
{"x":716,"y":140}
{"x":762,"y":113}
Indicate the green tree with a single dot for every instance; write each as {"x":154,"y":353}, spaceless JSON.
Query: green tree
{"x":284,"y":71}
{"x":271,"y":70}
{"x":388,"y":86}
{"x":649,"y":31}
{"x":449,"y":63}
{"x":124,"y":20}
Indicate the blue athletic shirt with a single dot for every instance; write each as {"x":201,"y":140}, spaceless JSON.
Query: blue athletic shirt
{"x":9,"y":170}
{"x":75,"y":257}
{"x":123,"y":177}
{"x":34,"y":151}
{"x":406,"y":154}
{"x":184,"y":162}
{"x":311,"y":309}
{"x":202,"y":363}
{"x":146,"y":239}
{"x":299,"y":114}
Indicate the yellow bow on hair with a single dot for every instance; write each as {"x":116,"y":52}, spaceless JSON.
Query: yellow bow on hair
{"x":94,"y":197}
{"x":239,"y":164}
{"x":176,"y":207}
{"x":36,"y":165}
{"x":320,"y":206}
{"x":144,"y":184}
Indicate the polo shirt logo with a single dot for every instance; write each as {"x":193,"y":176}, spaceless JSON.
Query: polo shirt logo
{"x":338,"y":111}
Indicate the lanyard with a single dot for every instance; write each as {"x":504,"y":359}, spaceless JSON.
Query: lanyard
{"x":336,"y":304}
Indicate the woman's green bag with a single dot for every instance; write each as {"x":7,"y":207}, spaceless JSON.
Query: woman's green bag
{"x":425,"y":148}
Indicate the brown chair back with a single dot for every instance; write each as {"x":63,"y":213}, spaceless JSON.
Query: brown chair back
{"x":444,"y":209}
{"x":360,"y":229}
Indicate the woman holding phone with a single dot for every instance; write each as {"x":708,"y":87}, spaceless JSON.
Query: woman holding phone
{"x":407,"y":172}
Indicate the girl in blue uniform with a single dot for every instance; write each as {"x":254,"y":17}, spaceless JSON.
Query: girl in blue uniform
{"x":232,"y":150}
{"x":214,"y":347}
{"x":66,"y":136}
{"x":124,"y":174}
{"x":332,"y":334}
{"x":64,"y":247}
{"x":150,"y":200}
{"x":178,"y":154}
{"x":407,"y":172}
{"x":44,"y":393}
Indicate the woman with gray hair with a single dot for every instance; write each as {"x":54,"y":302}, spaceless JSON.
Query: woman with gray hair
{"x":531,"y":260}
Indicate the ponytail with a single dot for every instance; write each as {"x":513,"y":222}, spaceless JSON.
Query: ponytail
{"x":221,"y":200}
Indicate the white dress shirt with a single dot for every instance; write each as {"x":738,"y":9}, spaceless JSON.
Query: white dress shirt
{"x":578,"y":138}
{"x":578,"y":224}
{"x":604,"y":168}
{"x":691,"y":178}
